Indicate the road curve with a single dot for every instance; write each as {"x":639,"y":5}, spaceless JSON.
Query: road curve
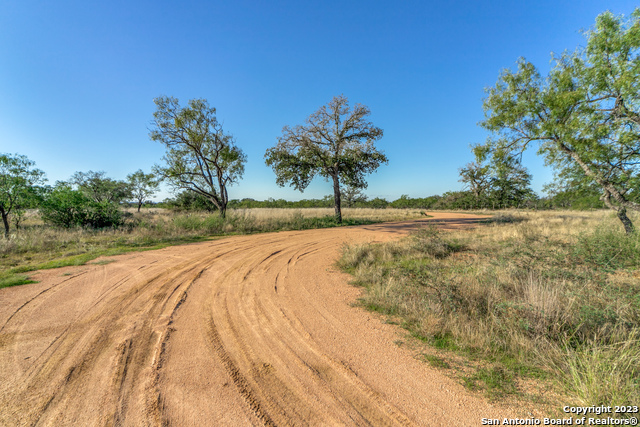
{"x":247,"y":330}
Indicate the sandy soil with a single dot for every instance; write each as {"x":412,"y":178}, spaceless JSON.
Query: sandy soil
{"x":248,"y":330}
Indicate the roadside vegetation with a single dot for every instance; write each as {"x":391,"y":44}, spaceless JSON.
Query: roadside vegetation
{"x":510,"y":307}
{"x":37,"y":245}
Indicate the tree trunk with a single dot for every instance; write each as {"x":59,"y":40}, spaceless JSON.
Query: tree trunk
{"x":139,"y":206}
{"x":219,"y":203}
{"x":622,"y":216}
{"x":336,"y":199}
{"x":224,"y":199}
{"x":607,"y":187}
{"x":621,"y":212}
{"x":5,"y":220}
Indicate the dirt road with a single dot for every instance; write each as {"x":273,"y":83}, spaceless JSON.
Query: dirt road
{"x":248,"y":330}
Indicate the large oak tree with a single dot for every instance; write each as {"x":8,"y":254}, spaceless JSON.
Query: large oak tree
{"x":335,"y":142}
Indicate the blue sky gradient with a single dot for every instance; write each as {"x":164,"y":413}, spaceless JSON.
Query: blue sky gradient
{"x":78,"y":78}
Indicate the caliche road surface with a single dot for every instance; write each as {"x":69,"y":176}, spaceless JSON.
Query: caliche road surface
{"x":250,"y":330}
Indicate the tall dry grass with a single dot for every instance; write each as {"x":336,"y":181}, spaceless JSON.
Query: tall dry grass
{"x":553,"y":294}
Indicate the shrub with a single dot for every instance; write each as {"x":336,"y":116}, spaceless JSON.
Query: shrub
{"x":67,"y":208}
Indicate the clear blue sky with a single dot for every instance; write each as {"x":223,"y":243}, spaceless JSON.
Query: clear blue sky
{"x":78,"y":78}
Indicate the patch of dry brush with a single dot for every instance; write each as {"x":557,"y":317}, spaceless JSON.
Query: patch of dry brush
{"x":543,"y":294}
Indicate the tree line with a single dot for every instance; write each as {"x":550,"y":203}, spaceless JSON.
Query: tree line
{"x":583,"y":117}
{"x":86,"y":199}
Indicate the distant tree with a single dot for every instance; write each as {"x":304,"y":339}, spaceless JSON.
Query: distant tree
{"x":352,"y":196}
{"x":510,"y":182}
{"x":100,"y":188}
{"x":571,"y":188}
{"x":336,"y":143}
{"x":455,"y":200}
{"x":404,"y":202}
{"x":18,"y":177}
{"x":585,"y":113}
{"x":142,"y":186}
{"x":200,"y":157}
{"x":191,"y":201}
{"x":31,"y":199}
{"x":378,"y":203}
{"x":477,"y":178}
{"x":496,"y":180}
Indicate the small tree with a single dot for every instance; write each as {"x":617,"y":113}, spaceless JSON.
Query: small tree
{"x":200,"y":157}
{"x":31,"y":198}
{"x":336,"y":143}
{"x":500,"y":181}
{"x":190,"y":200}
{"x":476,"y":177}
{"x":510,"y":182}
{"x":352,"y":196}
{"x":100,"y":188}
{"x":142,"y":186}
{"x":17,"y":179}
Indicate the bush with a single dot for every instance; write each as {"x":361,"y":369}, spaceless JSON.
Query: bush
{"x":67,"y":208}
{"x":191,"y":201}
{"x":101,"y":215}
{"x":608,"y":249}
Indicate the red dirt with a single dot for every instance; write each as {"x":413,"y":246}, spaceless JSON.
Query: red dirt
{"x":249,"y":330}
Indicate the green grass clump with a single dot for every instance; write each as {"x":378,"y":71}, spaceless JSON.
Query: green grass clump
{"x":605,"y":369}
{"x":608,"y":249}
{"x":496,"y":382}
{"x":437,"y":362}
{"x":7,"y":280}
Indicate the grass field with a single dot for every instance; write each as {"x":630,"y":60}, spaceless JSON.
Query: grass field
{"x":532,"y":305}
{"x":37,"y":246}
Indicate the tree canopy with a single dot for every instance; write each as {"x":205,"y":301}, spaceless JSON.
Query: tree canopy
{"x":584,"y":115}
{"x":200,"y":156}
{"x":336,"y":143}
{"x":100,"y":188}
{"x":498,"y":182}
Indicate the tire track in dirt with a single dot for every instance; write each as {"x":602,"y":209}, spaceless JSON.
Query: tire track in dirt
{"x":32,"y":299}
{"x":249,"y":330}
{"x":81,"y":348}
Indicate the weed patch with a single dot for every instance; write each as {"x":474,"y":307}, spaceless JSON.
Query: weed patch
{"x":14,"y":280}
{"x":608,"y":249}
{"x":496,"y":382}
{"x":437,"y":362}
